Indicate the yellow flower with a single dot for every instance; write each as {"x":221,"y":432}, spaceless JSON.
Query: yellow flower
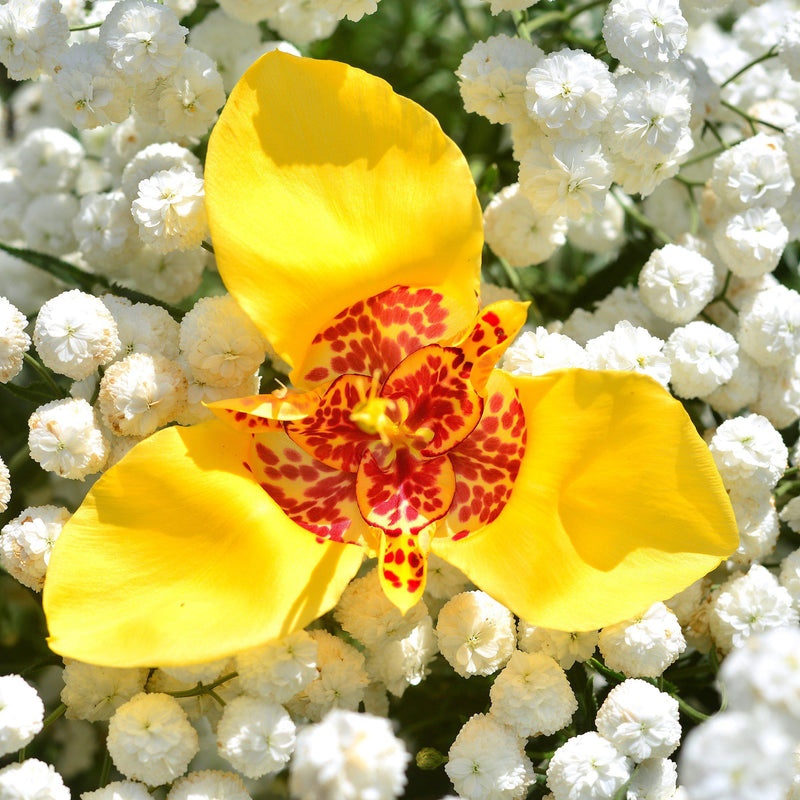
{"x":347,"y":226}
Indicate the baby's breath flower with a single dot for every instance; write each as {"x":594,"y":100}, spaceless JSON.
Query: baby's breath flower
{"x":565,"y":647}
{"x":476,"y":634}
{"x":95,"y":693}
{"x":21,"y":713}
{"x":150,"y":739}
{"x":32,"y":779}
{"x":538,"y":352}
{"x":587,"y":767}
{"x":256,"y":737}
{"x":209,"y":785}
{"x":632,"y":349}
{"x":27,"y":541}
{"x":14,"y":342}
{"x":32,"y":35}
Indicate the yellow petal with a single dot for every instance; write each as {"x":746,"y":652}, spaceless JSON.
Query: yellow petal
{"x":324,"y":187}
{"x":178,"y":556}
{"x":617,"y":505}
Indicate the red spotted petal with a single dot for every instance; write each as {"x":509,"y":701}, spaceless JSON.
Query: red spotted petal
{"x":317,"y":497}
{"x":487,"y":462}
{"x":403,"y":569}
{"x":329,"y":435}
{"x":263,"y":412}
{"x":495,"y":329}
{"x":406,"y":497}
{"x":435,"y":383}
{"x":374,"y":335}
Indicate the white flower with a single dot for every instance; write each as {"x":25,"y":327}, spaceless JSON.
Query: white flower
{"x":491,"y":77}
{"x":150,"y":739}
{"x":532,"y":695}
{"x":255,"y":736}
{"x":89,"y":92}
{"x":250,"y":11}
{"x":538,"y":352}
{"x":769,"y":325}
{"x":789,"y":46}
{"x":191,"y":96}
{"x":48,"y":160}
{"x":749,"y":453}
{"x":566,"y":647}
{"x":143,"y":328}
{"x":351,"y":9}
{"x":649,"y":119}
{"x":142,"y":39}
{"x":749,"y":603}
{"x":368,"y":615}
{"x":141,"y":393}
{"x":445,"y":580}
{"x":645,"y":645}
{"x":567,"y":178}
{"x":95,"y":693}
{"x":75,"y":333}
{"x":754,"y":172}
{"x":751,"y":243}
{"x":5,"y":487}
{"x":170,"y":210}
{"x":279,"y":669}
{"x":570,"y":92}
{"x":302,"y":22}
{"x":27,"y":541}
{"x":765,"y":673}
{"x":640,"y":721}
{"x":599,"y":232}
{"x":654,"y":779}
{"x":740,"y":391}
{"x":631,"y":349}
{"x":170,"y":277}
{"x":702,"y":357}
{"x":676,"y":283}
{"x":476,"y":633}
{"x":758,"y":525}
{"x":348,"y":755}
{"x":14,"y":342}
{"x":119,"y":790}
{"x":517,"y":233}
{"x":587,"y":767}
{"x":738,"y":756}
{"x":154,"y":158}
{"x":401,"y":662}
{"x":209,"y":785}
{"x":46,"y":224}
{"x":21,"y":713}
{"x":340,"y":682}
{"x":645,"y":35}
{"x":32,"y":780}
{"x":105,"y":231}
{"x":487,"y":761}
{"x":32,"y":35}
{"x":64,"y":438}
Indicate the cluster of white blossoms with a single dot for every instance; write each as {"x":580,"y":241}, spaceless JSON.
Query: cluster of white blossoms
{"x":692,"y":142}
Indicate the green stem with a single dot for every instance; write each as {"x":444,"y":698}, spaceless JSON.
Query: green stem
{"x":521,"y":24}
{"x":461,"y":13}
{"x":771,"y":53}
{"x":688,"y":182}
{"x":45,"y":375}
{"x":690,"y":711}
{"x":751,"y":120}
{"x":631,"y":211}
{"x":87,"y":27}
{"x":207,"y":688}
{"x":53,"y":716}
{"x":712,"y":126}
{"x":583,"y":7}
{"x":543,"y":19}
{"x":105,"y":770}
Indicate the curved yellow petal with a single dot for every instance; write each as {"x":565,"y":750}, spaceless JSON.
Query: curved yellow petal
{"x":324,"y":187}
{"x":178,"y":556}
{"x":617,"y":505}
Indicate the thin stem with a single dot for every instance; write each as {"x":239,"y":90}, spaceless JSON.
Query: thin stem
{"x":207,"y":688}
{"x":461,"y":13}
{"x":45,"y":375}
{"x":105,"y":770}
{"x":712,"y":126}
{"x":771,"y":53}
{"x":630,"y":210}
{"x":87,"y":27}
{"x":709,"y":154}
{"x":521,"y":24}
{"x":52,"y":717}
{"x":584,"y":7}
{"x":689,"y":182}
{"x":690,"y":711}
{"x":543,"y":19}
{"x":751,"y":120}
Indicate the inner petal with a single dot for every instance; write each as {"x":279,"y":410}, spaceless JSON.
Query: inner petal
{"x":262,"y":412}
{"x":329,"y":434}
{"x":406,"y":497}
{"x":443,"y":407}
{"x":403,"y":568}
{"x":317,"y":497}
{"x":487,"y":462}
{"x":375,"y":334}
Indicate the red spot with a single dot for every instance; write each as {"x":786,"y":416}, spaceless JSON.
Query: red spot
{"x":317,"y":374}
{"x":491,"y":318}
{"x":413,"y":585}
{"x":239,"y":416}
{"x":400,"y":557}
